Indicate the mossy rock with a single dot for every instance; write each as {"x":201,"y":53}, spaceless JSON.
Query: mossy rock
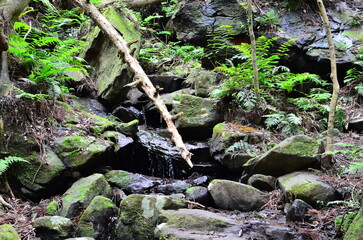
{"x":194,"y":224}
{"x":347,"y":221}
{"x":139,"y":214}
{"x":95,"y":220}
{"x":307,"y":187}
{"x":54,"y":227}
{"x":355,"y":230}
{"x":82,"y":192}
{"x":51,"y":208}
{"x":7,"y":232}
{"x":129,"y":129}
{"x":129,"y":181}
{"x":82,"y":151}
{"x":293,"y":154}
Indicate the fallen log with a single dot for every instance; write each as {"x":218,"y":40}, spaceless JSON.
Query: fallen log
{"x":140,"y":76}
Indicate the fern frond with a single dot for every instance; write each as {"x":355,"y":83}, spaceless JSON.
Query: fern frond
{"x":8,"y":161}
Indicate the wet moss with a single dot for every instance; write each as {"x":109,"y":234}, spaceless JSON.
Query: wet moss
{"x":51,"y":209}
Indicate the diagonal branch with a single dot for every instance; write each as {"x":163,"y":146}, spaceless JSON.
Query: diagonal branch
{"x":140,"y":75}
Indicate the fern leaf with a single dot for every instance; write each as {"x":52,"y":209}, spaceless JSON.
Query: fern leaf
{"x":8,"y":161}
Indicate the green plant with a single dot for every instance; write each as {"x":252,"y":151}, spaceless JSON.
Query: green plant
{"x":355,"y":154}
{"x":288,"y":124}
{"x":6,"y":163}
{"x":353,"y":76}
{"x":45,"y":57}
{"x":270,"y":20}
{"x":169,"y":7}
{"x":243,"y":146}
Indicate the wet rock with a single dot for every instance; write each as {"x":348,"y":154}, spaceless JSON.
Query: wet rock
{"x":236,"y":196}
{"x":199,"y":117}
{"x":168,"y":84}
{"x":195,"y":224}
{"x":111,"y":72}
{"x":128,"y":114}
{"x":130,"y":182}
{"x":80,"y":195}
{"x":356,"y":124}
{"x":292,"y":154}
{"x":194,"y":21}
{"x":262,"y":182}
{"x":307,"y":187}
{"x":296,"y":212}
{"x":139,"y":214}
{"x":176,"y":187}
{"x":55,"y":227}
{"x":7,"y":232}
{"x":355,"y":230}
{"x":201,"y":181}
{"x":200,"y":195}
{"x":96,"y":219}
{"x":129,"y":129}
{"x":227,"y":134}
{"x":82,"y":151}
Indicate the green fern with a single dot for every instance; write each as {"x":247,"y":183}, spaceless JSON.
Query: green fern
{"x":6,"y":163}
{"x":288,"y":124}
{"x":243,"y":146}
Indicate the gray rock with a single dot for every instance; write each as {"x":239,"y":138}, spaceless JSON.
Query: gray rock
{"x":129,"y":181}
{"x":127,"y":114}
{"x":96,"y":219}
{"x":356,"y":124}
{"x":262,"y":182}
{"x":297,"y":211}
{"x":195,"y":224}
{"x":139,"y":214}
{"x":307,"y":187}
{"x":54,"y":227}
{"x":236,"y":196}
{"x":200,"y":195}
{"x":292,"y":154}
{"x":167,"y":84}
{"x":82,"y":192}
{"x":176,"y":187}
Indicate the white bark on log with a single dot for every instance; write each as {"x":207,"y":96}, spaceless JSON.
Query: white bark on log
{"x":140,"y":75}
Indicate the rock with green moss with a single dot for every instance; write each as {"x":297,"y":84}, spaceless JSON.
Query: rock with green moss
{"x":52,"y":208}
{"x":129,"y":181}
{"x":355,"y":230}
{"x":293,"y":154}
{"x":129,"y":129}
{"x":232,"y":195}
{"x":223,"y":144}
{"x":82,"y":192}
{"x":7,"y":232}
{"x":111,"y":72}
{"x":82,"y":151}
{"x":262,"y":182}
{"x":202,"y":81}
{"x":307,"y":187}
{"x":96,"y":219}
{"x":199,"y":194}
{"x":199,"y":117}
{"x":347,"y":221}
{"x":139,"y":214}
{"x":195,"y":224}
{"x":41,"y":173}
{"x":54,"y":227}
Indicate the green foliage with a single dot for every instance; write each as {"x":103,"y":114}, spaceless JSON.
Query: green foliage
{"x":8,"y":161}
{"x":288,"y":124}
{"x":243,"y":146}
{"x":45,"y":57}
{"x":353,"y":76}
{"x":169,"y":7}
{"x":270,"y":20}
{"x":355,"y":154}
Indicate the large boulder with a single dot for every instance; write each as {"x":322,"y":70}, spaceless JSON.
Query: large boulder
{"x":195,"y":224}
{"x":236,"y":196}
{"x":7,"y":232}
{"x":194,"y":20}
{"x":82,"y":192}
{"x":293,"y":154}
{"x":355,"y":230}
{"x":111,"y":72}
{"x":307,"y":187}
{"x":54,"y":227}
{"x":199,"y":117}
{"x":225,"y":135}
{"x":129,"y":181}
{"x":96,"y":219}
{"x":139,"y":214}
{"x":82,"y":151}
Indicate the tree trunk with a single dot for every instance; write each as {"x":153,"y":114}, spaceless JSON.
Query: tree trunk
{"x":256,"y":83}
{"x":140,"y":75}
{"x":334,"y":78}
